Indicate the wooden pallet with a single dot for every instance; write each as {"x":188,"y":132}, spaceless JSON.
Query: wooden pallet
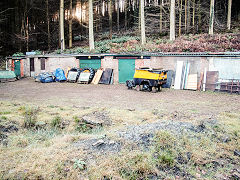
{"x":230,"y":87}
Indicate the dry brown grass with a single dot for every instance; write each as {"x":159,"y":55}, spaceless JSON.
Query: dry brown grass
{"x":49,"y":153}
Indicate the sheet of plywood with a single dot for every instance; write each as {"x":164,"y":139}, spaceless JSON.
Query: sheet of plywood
{"x":200,"y":81}
{"x":178,"y":77}
{"x":192,"y":82}
{"x":97,"y":76}
{"x":211,"y":80}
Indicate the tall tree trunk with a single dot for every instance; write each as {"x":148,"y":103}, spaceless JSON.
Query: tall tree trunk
{"x":211,"y":19}
{"x":161,"y":17}
{"x":229,"y":14}
{"x":188,"y":16}
{"x":143,"y":36}
{"x":27,"y":34}
{"x":91,"y":36}
{"x":126,"y":12}
{"x":185,"y":22}
{"x":118,"y":23}
{"x":180,"y":18}
{"x":193,"y":16}
{"x":172,"y":20}
{"x":110,"y":18}
{"x":62,"y":25}
{"x":70,"y":24}
{"x":17,"y":23}
{"x":48,"y":25}
{"x":25,"y":25}
{"x":81,"y":22}
{"x":199,"y":16}
{"x":139,"y":18}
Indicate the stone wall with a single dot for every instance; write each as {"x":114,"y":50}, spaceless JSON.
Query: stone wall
{"x":109,"y":62}
{"x":51,"y":64}
{"x":197,"y":64}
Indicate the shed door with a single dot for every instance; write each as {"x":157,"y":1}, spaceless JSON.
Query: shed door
{"x":17,"y":68}
{"x":32,"y":68}
{"x":126,"y":69}
{"x":90,"y":63}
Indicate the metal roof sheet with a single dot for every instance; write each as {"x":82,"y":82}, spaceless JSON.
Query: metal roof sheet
{"x":157,"y":54}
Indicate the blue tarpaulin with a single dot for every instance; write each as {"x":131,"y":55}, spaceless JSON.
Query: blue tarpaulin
{"x":7,"y":75}
{"x":46,"y":77}
{"x":59,"y":74}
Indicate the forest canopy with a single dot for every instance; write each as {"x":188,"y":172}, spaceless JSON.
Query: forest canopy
{"x":30,"y":25}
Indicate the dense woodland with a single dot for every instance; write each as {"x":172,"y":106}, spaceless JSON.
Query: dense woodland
{"x":27,"y":25}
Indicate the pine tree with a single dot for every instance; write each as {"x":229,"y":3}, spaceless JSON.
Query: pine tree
{"x":91,"y":36}
{"x":62,"y":25}
{"x":172,"y":20}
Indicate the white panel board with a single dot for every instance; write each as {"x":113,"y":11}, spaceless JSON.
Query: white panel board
{"x":84,"y":77}
{"x":178,"y":76}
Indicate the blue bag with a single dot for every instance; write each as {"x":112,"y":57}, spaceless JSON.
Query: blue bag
{"x":59,"y":74}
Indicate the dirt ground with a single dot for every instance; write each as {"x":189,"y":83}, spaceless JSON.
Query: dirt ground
{"x":79,"y":131}
{"x":118,"y":96}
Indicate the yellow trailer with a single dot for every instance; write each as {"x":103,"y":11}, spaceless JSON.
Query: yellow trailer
{"x":148,"y":79}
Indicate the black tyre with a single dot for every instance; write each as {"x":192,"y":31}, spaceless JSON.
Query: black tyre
{"x":154,"y":89}
{"x":76,"y":70}
{"x":130,"y":84}
{"x":92,"y":73}
{"x":146,"y":86}
{"x":159,"y":88}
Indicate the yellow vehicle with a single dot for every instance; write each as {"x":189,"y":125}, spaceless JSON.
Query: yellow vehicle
{"x":148,"y":79}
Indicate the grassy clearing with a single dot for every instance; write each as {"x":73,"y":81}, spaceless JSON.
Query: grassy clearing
{"x":42,"y":146}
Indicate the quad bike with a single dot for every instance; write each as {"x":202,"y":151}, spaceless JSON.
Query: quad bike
{"x":147,"y":79}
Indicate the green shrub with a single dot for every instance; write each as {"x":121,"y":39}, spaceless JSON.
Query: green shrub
{"x":38,"y":52}
{"x":165,"y":158}
{"x":163,"y":140}
{"x":83,"y":127}
{"x":56,"y":122}
{"x":5,"y":112}
{"x":58,"y":51}
{"x":80,"y":50}
{"x":80,"y":164}
{"x":30,"y":116}
{"x":4,"y":118}
{"x":103,"y":49}
{"x":17,"y":54}
{"x":136,"y":166}
{"x":164,"y":153}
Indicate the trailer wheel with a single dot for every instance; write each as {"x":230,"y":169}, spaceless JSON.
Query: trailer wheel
{"x":159,"y":88}
{"x":146,"y":86}
{"x":154,"y":89}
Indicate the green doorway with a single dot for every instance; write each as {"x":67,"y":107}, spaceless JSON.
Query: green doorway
{"x":90,"y":63}
{"x":17,"y":68}
{"x":126,"y":69}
